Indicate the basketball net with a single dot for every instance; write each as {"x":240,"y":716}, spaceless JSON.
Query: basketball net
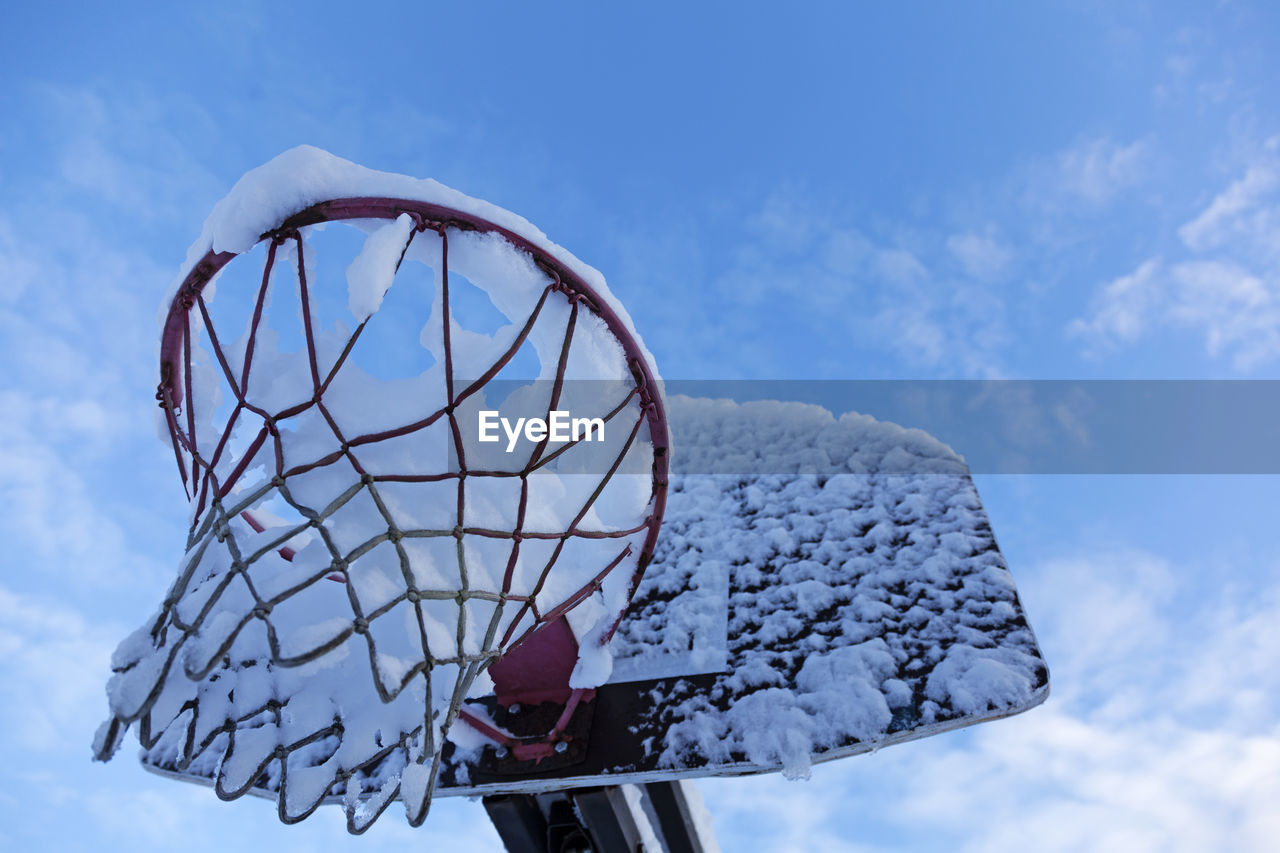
{"x":357,"y":564}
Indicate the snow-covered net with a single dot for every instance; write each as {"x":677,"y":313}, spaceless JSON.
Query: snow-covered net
{"x":357,"y":557}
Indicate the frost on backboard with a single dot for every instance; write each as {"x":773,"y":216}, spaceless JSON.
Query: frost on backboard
{"x":365,"y":578}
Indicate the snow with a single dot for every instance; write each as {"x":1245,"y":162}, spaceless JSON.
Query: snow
{"x":370,"y":275}
{"x":414,"y":787}
{"x":700,"y":817}
{"x":862,"y":605}
{"x":324,"y":619}
{"x":306,"y":175}
{"x":635,"y":805}
{"x":972,"y":680}
{"x":837,"y":574}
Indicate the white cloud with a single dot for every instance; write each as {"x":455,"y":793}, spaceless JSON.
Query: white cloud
{"x":18,"y":270}
{"x":1227,"y":290}
{"x":1096,"y":170}
{"x":982,"y":256}
{"x":786,"y":222}
{"x":845,"y":250}
{"x":148,"y":816}
{"x":907,"y":293}
{"x":1238,"y":208}
{"x":50,"y":515}
{"x":898,"y":267}
{"x":881,"y":295}
{"x":1080,"y":784}
{"x":55,"y":664}
{"x":1237,"y":312}
{"x":1122,"y":308}
{"x":124,"y":148}
{"x":76,"y":398}
{"x":772,"y":813}
{"x":1050,"y":204}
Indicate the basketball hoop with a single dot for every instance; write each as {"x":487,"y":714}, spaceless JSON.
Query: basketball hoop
{"x":251,"y":665}
{"x":382,"y":598}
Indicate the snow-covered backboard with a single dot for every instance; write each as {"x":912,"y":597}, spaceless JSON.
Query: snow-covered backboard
{"x":861,"y":606}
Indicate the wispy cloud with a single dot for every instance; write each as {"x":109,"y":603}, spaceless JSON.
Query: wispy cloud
{"x":931,"y":295}
{"x":1122,"y":309}
{"x":54,"y":662}
{"x":124,"y":148}
{"x":1096,"y":170}
{"x":74,"y":402}
{"x":1084,"y":178}
{"x":983,"y":256}
{"x":1247,"y":211}
{"x":77,"y":314}
{"x":806,"y":277}
{"x":57,"y":520}
{"x":1226,"y":289}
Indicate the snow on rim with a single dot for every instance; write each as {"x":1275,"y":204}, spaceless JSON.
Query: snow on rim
{"x":305,"y":175}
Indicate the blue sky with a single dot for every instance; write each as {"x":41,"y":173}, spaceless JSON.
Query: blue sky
{"x":1014,"y":190}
